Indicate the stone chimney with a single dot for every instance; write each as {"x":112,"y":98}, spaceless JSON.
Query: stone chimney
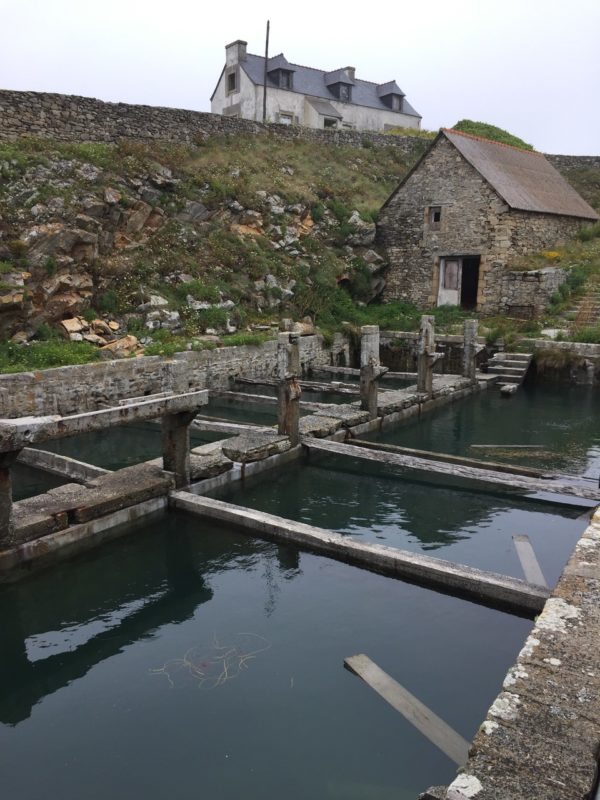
{"x":351,"y":72}
{"x":235,"y":52}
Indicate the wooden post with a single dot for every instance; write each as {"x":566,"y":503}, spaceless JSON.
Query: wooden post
{"x":6,"y":505}
{"x":426,"y":355}
{"x":470,"y":349}
{"x":264,"y":112}
{"x":176,"y":445}
{"x":289,"y":391}
{"x":370,"y":370}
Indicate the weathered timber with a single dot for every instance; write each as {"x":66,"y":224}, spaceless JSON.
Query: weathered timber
{"x":63,"y":466}
{"x":425,"y":721}
{"x":483,"y":587}
{"x":370,"y":369}
{"x":261,"y":400}
{"x":176,"y":445}
{"x":508,"y":447}
{"x":487,"y":476}
{"x":309,"y":386}
{"x":450,"y":459}
{"x":218,"y":425}
{"x":15,"y":434}
{"x":353,"y":371}
{"x":531,"y":568}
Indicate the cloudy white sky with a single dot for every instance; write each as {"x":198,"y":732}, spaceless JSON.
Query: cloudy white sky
{"x":531,"y":66}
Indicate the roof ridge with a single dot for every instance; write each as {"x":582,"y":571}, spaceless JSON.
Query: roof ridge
{"x":317,"y":69}
{"x":492,"y":141}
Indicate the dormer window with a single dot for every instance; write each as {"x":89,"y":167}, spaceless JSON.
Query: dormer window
{"x":396,"y":102}
{"x":285,"y":79}
{"x":345,"y":92}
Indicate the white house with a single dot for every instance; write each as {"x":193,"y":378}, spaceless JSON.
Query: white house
{"x":307,"y":96}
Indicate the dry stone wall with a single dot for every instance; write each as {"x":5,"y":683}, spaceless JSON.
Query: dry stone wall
{"x":82,"y":119}
{"x":89,"y":387}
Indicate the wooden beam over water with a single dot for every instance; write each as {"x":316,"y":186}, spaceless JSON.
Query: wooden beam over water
{"x":486,"y":476}
{"x":429,"y":724}
{"x":481,"y":586}
{"x":531,"y":568}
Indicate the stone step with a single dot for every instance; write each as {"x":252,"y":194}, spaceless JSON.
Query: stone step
{"x":502,"y":369}
{"x":517,"y":379}
{"x":517,"y":356}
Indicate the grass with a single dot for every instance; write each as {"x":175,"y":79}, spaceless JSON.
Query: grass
{"x":235,"y":168}
{"x":44,"y":355}
{"x":491,"y":132}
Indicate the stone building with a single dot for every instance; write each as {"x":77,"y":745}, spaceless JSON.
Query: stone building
{"x":306,"y":96}
{"x":467,"y":209}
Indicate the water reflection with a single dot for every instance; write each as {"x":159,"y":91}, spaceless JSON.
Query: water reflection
{"x":48,"y":641}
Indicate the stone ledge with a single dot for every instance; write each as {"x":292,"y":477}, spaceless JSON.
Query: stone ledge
{"x":255,"y":446}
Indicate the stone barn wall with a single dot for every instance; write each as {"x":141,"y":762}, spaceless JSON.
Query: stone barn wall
{"x":474,"y":221}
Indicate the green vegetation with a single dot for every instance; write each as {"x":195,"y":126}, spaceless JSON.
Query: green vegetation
{"x":46,"y":354}
{"x":487,"y":131}
{"x":420,"y":134}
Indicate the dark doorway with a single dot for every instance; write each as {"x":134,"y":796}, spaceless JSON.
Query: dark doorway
{"x":469,"y":282}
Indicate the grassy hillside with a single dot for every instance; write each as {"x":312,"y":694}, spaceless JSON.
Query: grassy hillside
{"x":193,"y":246}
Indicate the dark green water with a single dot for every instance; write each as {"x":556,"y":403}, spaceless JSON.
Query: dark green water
{"x":564,"y":419}
{"x":82,"y":715}
{"x":120,"y":447}
{"x":28,"y":481}
{"x":379,"y":505}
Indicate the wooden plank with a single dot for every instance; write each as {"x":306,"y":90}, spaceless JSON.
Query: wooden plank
{"x":450,"y":459}
{"x":477,"y":474}
{"x":265,"y":400}
{"x":425,"y":721}
{"x":508,"y":447}
{"x":481,"y":586}
{"x":531,"y":568}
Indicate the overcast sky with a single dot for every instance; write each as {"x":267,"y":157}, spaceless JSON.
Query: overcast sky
{"x":531,"y":66}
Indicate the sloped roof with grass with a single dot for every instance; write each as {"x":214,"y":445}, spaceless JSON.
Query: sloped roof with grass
{"x":523,"y":178}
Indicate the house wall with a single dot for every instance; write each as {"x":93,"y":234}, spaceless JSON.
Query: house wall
{"x":359,"y":117}
{"x":241,"y":103}
{"x":475,"y":221}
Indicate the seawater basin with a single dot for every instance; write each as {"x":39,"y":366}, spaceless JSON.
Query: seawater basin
{"x":563,"y":420}
{"x":190,"y":660}
{"x":381,"y":504}
{"x":122,"y":446}
{"x":28,"y":481}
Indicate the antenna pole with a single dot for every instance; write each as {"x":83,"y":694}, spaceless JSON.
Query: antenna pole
{"x":264,"y":119}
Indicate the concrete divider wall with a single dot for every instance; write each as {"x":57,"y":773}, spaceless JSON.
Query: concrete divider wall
{"x":88,"y":387}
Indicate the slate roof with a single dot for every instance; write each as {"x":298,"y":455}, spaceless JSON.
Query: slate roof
{"x":309,"y":81}
{"x":323,"y":107}
{"x":523,"y":178}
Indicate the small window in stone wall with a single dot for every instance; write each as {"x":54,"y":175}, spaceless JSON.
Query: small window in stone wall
{"x":231,"y":82}
{"x":435,"y":218}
